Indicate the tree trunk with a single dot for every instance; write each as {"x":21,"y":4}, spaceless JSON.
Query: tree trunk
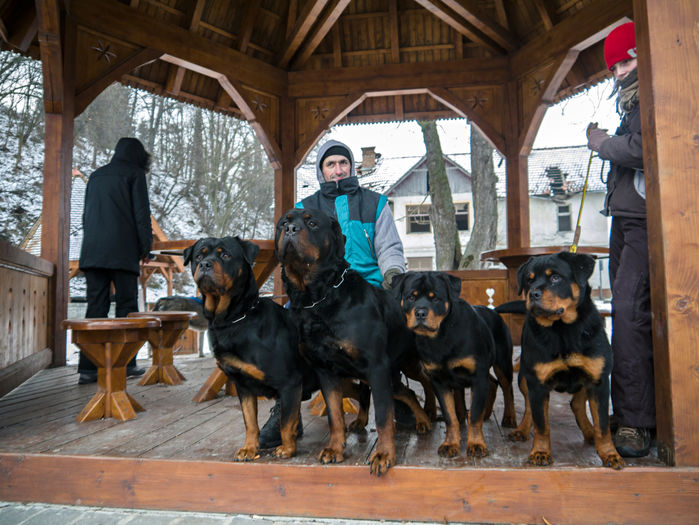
{"x":485,"y":202}
{"x":442,"y":213}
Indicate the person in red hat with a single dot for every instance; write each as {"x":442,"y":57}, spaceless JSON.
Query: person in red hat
{"x":633,"y":388}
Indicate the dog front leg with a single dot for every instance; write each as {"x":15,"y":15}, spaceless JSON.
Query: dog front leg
{"x":248,"y":403}
{"x":382,"y":393}
{"x":540,"y":453}
{"x":521,"y":433}
{"x":290,"y":401}
{"x":475,"y":441}
{"x":452,"y":441}
{"x":332,"y":392}
{"x":599,"y":407}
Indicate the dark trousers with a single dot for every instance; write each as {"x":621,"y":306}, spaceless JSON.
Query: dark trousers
{"x":99,"y":281}
{"x":633,"y":383}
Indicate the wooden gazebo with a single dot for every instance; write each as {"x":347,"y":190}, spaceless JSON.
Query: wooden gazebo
{"x":292,"y":69}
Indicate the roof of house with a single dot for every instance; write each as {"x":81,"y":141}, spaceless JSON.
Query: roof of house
{"x":572,"y":161}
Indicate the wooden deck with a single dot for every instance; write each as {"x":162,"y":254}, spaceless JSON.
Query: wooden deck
{"x":177,"y":455}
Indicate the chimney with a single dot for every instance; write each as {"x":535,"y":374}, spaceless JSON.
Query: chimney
{"x":368,"y":158}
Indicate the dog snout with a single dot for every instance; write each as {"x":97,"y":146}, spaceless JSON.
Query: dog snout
{"x":292,"y":228}
{"x":421,"y":314}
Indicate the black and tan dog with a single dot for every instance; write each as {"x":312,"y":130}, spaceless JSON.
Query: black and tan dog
{"x":253,"y":338}
{"x":564,"y":348}
{"x":348,"y":329}
{"x":458,"y":343}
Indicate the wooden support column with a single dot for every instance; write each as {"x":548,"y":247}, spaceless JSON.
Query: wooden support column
{"x":668,"y":55}
{"x":57,"y":44}
{"x":517,"y":174}
{"x":285,"y":175}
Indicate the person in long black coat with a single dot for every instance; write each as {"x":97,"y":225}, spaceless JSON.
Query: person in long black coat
{"x":117,"y":235}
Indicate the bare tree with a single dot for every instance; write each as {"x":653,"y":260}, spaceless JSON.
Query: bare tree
{"x":442,"y":212}
{"x":485,"y":202}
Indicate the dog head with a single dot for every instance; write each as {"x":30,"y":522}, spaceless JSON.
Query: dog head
{"x":222,"y":270}
{"x":306,"y":239}
{"x":555,"y":285}
{"x":426,"y":299}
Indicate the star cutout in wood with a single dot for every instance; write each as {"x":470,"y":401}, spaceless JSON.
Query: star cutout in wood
{"x":104,"y":52}
{"x":537,"y":85}
{"x":319,"y":113}
{"x":477,"y":100}
{"x":258,"y":105}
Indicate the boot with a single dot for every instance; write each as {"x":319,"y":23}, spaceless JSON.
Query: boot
{"x":631,"y":442}
{"x":270,"y":434}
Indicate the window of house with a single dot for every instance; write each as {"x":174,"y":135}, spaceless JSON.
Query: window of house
{"x":462,"y":219}
{"x":564,"y":224}
{"x":419,"y":264}
{"x":418,"y":216}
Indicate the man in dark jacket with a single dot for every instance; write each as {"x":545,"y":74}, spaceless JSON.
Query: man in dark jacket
{"x":117,"y":235}
{"x":633,"y":387}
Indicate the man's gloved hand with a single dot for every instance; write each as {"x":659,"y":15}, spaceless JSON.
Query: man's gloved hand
{"x":595,"y":136}
{"x":388,"y":277}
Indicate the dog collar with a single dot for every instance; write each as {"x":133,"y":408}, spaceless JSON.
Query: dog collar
{"x":246,"y":312}
{"x":342,"y":280}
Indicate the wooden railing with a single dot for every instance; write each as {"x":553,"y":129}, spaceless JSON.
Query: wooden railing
{"x":25,"y":291}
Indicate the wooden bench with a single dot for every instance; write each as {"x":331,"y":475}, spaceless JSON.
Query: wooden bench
{"x":162,"y":340}
{"x":110,"y":344}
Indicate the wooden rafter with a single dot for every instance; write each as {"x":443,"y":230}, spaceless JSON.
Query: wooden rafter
{"x":328,"y":20}
{"x":456,"y":22}
{"x":144,"y":31}
{"x":248,"y":25}
{"x":543,"y":14}
{"x":310,"y":13}
{"x":467,"y":10}
{"x":395,"y":28}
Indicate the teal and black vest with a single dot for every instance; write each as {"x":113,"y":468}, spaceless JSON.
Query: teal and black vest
{"x":356,"y":209}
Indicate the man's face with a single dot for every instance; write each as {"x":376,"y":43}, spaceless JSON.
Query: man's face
{"x":335,"y":167}
{"x":621,"y":69}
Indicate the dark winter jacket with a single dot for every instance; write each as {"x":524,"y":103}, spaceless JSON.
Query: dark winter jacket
{"x":625,"y":153}
{"x":117,"y":230}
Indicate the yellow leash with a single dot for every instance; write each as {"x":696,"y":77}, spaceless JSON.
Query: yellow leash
{"x":576,"y":237}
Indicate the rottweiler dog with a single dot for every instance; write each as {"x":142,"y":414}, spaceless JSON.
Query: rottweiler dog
{"x":253,"y":338}
{"x":564,"y":348}
{"x":458,"y":344}
{"x":349,"y":329}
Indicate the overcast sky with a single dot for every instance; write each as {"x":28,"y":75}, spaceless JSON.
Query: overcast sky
{"x":563,"y":125}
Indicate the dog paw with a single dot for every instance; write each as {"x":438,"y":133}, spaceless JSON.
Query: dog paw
{"x":477,"y":450}
{"x":517,"y":435}
{"x":246,"y":454}
{"x":284,"y":452}
{"x":329,"y":455}
{"x":357,"y":426}
{"x":379,"y":463}
{"x":613,"y":461}
{"x":448,"y":450}
{"x":509,"y":422}
{"x":540,"y":459}
{"x":423,"y":427}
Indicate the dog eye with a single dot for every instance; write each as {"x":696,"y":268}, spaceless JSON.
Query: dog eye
{"x":312,"y":224}
{"x":199,"y":257}
{"x":411,"y":298}
{"x":225,"y":256}
{"x":555,"y":278}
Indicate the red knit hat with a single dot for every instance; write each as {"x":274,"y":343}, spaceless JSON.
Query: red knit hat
{"x":620,"y":44}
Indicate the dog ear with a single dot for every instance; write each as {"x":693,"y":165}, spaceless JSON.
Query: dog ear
{"x":188,"y":253}
{"x":582,"y":265}
{"x":522,"y":274}
{"x":453,"y":286}
{"x":397,"y":282}
{"x":250,"y":250}
{"x":339,"y":237}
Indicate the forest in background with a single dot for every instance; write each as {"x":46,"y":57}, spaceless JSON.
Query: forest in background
{"x":210,"y":175}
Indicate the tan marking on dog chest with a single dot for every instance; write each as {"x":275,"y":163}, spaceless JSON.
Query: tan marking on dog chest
{"x":246,"y":368}
{"x":544,"y":371}
{"x":592,"y":366}
{"x":469,"y":363}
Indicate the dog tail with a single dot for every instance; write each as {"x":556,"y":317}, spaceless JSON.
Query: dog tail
{"x":512,"y":307}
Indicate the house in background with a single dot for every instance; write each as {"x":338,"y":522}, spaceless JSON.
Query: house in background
{"x":556,"y":181}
